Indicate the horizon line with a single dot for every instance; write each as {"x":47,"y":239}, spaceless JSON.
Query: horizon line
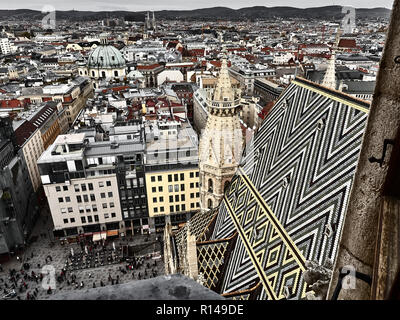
{"x":204,"y":8}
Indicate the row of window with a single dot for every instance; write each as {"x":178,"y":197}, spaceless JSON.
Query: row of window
{"x":177,"y":207}
{"x":88,"y":208}
{"x":83,"y":186}
{"x":90,"y":218}
{"x":85,"y":197}
{"x":175,"y":177}
{"x":177,"y":197}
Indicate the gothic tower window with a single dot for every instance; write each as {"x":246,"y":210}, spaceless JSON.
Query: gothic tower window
{"x":210,"y":204}
{"x":210,"y":185}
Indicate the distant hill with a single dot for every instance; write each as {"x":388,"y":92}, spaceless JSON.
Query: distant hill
{"x":259,"y":12}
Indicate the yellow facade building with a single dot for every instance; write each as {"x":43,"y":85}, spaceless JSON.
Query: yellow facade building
{"x":173,"y":193}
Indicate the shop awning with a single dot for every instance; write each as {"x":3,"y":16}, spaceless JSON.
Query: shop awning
{"x":96,"y":237}
{"x":111,"y":233}
{"x":99,"y":236}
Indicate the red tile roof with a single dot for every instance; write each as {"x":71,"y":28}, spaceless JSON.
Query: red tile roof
{"x":23,"y":132}
{"x":347,"y":43}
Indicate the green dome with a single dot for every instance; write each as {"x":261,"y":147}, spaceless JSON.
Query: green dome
{"x":106,"y":57}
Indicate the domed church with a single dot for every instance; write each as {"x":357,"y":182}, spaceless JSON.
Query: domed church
{"x":105,"y":62}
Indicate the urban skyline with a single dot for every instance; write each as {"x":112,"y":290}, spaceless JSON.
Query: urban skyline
{"x":221,"y":155}
{"x":96,"y":5}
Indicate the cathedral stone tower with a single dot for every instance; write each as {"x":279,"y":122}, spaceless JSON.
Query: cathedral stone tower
{"x":221,"y":142}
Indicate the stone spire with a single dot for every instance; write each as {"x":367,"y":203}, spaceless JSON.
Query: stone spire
{"x":221,"y":143}
{"x":223,"y":90}
{"x":330,"y":74}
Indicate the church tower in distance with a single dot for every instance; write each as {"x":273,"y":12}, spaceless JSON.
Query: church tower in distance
{"x":221,"y":142}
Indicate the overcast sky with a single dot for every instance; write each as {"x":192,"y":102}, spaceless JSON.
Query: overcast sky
{"x":141,"y":5}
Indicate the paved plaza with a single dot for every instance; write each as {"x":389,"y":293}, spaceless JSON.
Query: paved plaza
{"x":43,"y":255}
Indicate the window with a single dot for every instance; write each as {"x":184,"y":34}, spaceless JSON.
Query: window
{"x":198,"y":204}
{"x":183,"y":207}
{"x":88,"y":209}
{"x":67,"y":199}
{"x":110,"y":194}
{"x":83,"y":219}
{"x":63,"y":210}
{"x":170,"y":188}
{"x":170,"y":178}
{"x":94,"y":207}
{"x":101,"y":184}
{"x":182,"y":187}
{"x":154,"y":199}
{"x":192,"y":205}
{"x":171,"y":208}
{"x":191,"y":195}
{"x":176,"y":187}
{"x":111,"y":204}
{"x":197,"y":184}
{"x":83,"y":186}
{"x":171,"y":198}
{"x":192,"y":184}
{"x":182,"y":197}
{"x":113,"y":215}
{"x":90,"y":219}
{"x":104,"y":205}
{"x":177,"y":208}
{"x":106,"y":216}
{"x":79,"y":199}
{"x":182,"y":176}
{"x":154,"y":189}
{"x":197,"y":173}
{"x":96,"y":218}
{"x":108,"y":183}
{"x":81,"y":210}
{"x":72,"y":220}
{"x":197,"y":194}
{"x":85,"y":198}
{"x":65,"y":188}
{"x":60,"y":200}
{"x":90,"y":185}
{"x":160,"y":189}
{"x":153,"y":179}
{"x":176,"y":177}
{"x":70,"y":210}
{"x":176,"y":197}
{"x":192,"y":174}
{"x":159,"y":178}
{"x":92,"y":197}
{"x":65,"y":220}
{"x":155,"y":210}
{"x":76,"y":187}
{"x":58,"y":189}
{"x":161,"y":199}
{"x":102,"y":195}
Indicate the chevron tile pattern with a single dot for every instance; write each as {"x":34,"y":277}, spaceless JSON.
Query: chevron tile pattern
{"x":287,"y":201}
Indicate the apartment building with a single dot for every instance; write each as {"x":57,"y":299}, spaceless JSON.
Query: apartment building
{"x":172,"y":173}
{"x":18,"y":205}
{"x":82,"y":201}
{"x":97,"y":185}
{"x":29,"y":138}
{"x":246,"y":73}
